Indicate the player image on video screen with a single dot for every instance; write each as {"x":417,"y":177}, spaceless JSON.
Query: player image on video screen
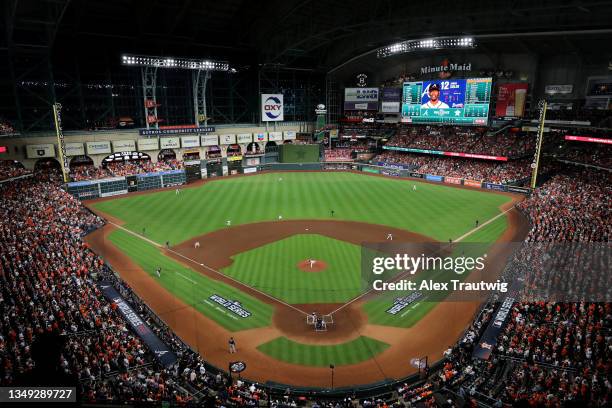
{"x":433,"y":95}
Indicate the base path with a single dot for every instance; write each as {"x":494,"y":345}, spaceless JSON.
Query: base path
{"x":433,"y":334}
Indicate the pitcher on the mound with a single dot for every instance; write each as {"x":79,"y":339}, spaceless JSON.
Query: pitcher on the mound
{"x":311,"y":262}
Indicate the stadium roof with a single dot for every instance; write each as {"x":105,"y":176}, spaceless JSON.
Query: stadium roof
{"x":310,"y":34}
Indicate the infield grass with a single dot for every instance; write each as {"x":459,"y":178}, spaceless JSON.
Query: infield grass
{"x":273,"y":269}
{"x":352,"y":352}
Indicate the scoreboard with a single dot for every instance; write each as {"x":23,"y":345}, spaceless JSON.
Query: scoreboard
{"x":456,"y":101}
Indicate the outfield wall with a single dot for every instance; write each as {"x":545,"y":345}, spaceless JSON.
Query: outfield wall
{"x":228,"y":166}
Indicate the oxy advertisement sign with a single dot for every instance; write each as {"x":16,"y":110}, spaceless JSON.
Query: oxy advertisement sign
{"x":272,"y":108}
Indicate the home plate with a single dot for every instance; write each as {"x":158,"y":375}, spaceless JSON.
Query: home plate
{"x":201,"y":264}
{"x":306,"y":229}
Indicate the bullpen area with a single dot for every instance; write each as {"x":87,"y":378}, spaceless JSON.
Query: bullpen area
{"x":274,"y":261}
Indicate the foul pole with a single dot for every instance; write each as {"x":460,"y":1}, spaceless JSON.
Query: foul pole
{"x":536,"y":158}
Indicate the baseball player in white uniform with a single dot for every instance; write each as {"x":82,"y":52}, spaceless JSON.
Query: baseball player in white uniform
{"x":434,"y":101}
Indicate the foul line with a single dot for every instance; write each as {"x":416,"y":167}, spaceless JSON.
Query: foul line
{"x":207,"y":267}
{"x":467,"y":234}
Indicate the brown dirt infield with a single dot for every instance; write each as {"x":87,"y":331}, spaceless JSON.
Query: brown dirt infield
{"x":317,"y":266}
{"x":433,"y":334}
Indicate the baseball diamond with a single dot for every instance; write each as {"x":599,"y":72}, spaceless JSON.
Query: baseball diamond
{"x":245,"y":279}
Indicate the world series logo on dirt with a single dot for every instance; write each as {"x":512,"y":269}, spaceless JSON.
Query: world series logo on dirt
{"x":231,"y":305}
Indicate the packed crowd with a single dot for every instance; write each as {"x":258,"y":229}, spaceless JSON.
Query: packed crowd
{"x":571,"y":207}
{"x":56,"y":324}
{"x":338,"y":154}
{"x":10,"y":169}
{"x":464,"y":140}
{"x":597,"y":155}
{"x":480,"y":170}
{"x":122,"y":168}
{"x":549,"y":353}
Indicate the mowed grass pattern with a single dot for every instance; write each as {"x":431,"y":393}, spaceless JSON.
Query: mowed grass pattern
{"x":273,"y":269}
{"x":192,"y":287}
{"x":376,"y":308}
{"x":352,"y":352}
{"x":434,"y":210}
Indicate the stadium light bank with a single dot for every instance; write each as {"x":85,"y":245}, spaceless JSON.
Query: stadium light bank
{"x":426,"y":44}
{"x":175,"y":63}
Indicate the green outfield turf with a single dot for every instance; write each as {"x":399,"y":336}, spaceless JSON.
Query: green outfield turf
{"x":192,"y":287}
{"x":376,"y":308}
{"x":434,"y":210}
{"x":352,"y":352}
{"x":273,"y":269}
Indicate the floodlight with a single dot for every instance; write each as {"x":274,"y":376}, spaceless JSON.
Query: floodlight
{"x":427,"y":43}
{"x":174,"y":63}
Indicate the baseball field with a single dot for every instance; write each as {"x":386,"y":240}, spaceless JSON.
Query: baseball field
{"x":253,"y":256}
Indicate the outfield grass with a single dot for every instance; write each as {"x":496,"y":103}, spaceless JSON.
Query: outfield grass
{"x":434,"y":210}
{"x":273,"y":269}
{"x":352,"y":352}
{"x":376,"y":307}
{"x":192,"y":287}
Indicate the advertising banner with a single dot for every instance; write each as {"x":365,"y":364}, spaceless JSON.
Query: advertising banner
{"x":452,"y":180}
{"x":75,"y":149}
{"x":393,"y":165}
{"x":588,"y":139}
{"x":124,"y":145}
{"x":227,"y":139}
{"x":40,"y":150}
{"x":522,"y":190}
{"x":103,"y":147}
{"x":190,"y":141}
{"x":175,"y":130}
{"x":511,"y":99}
{"x":234,"y":158}
{"x":361,"y":99}
{"x":170,"y":142}
{"x":260,"y":137}
{"x":275,"y":136}
{"x":289,"y":134}
{"x":476,"y":156}
{"x":558,"y":89}
{"x":209,"y":140}
{"x":416,"y":175}
{"x":250,"y":170}
{"x":493,"y":186}
{"x":472,"y":183}
{"x":272,"y":108}
{"x":391,"y":98}
{"x":432,"y":177}
{"x":244,"y":138}
{"x":489,"y":338}
{"x":252,"y":161}
{"x":148,"y":144}
{"x":163,"y":353}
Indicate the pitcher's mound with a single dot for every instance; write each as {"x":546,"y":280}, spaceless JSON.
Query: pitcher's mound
{"x":317,"y":265}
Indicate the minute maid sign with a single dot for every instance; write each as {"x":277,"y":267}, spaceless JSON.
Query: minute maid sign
{"x":446,"y":68}
{"x":272,"y":108}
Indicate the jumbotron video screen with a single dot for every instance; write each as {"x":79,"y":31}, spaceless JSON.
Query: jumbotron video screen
{"x":455,"y":101}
